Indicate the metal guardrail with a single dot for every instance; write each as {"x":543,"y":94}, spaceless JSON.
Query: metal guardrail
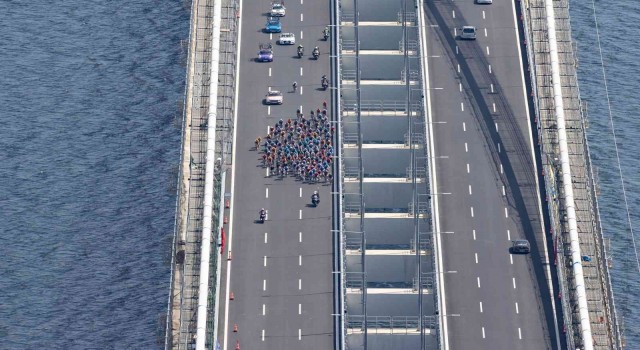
{"x":546,"y":141}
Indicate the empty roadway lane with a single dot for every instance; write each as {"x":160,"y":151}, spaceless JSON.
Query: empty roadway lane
{"x":495,"y":300}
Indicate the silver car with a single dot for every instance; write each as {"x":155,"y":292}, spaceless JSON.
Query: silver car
{"x":274,"y":98}
{"x":520,"y":246}
{"x":468,"y":33}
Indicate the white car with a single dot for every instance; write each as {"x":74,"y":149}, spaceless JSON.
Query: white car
{"x":287,"y":39}
{"x":468,"y":33}
{"x":484,"y":2}
{"x":278,"y":10}
{"x":274,"y":98}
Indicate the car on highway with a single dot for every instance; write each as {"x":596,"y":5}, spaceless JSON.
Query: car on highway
{"x":278,"y":9}
{"x":274,"y":98}
{"x":287,"y":39}
{"x":468,"y":33}
{"x":520,"y":246}
{"x":484,"y":2}
{"x":273,"y":25}
{"x":265,"y":54}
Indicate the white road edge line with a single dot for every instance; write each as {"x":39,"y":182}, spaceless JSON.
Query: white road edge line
{"x":443,"y":324}
{"x":233,"y":182}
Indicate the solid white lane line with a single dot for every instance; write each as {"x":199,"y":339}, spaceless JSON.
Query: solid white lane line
{"x":266,"y":192}
{"x":464,"y":127}
{"x":468,"y":170}
{"x":506,"y":213}
{"x":300,"y":192}
{"x":494,"y":107}
{"x":300,"y":237}
{"x":508,"y":235}
{"x":265,"y":238}
{"x":466,"y":147}
{"x":300,"y":215}
{"x":476,"y":258}
{"x":483,"y":336}
{"x":470,"y":190}
{"x":299,"y":334}
{"x":481,"y":307}
{"x":519,"y":333}
{"x":471,"y":211}
{"x":487,"y":50}
{"x":263,"y":335}
{"x":299,"y":283}
{"x":265,"y":261}
{"x":517,"y":310}
{"x":268,"y":110}
{"x":485,"y":32}
{"x":511,"y":259}
{"x":462,"y":106}
{"x":299,"y":309}
{"x":478,"y":282}
{"x":514,"y":282}
{"x":501,"y":169}
{"x":264,"y":284}
{"x":483,"y":15}
{"x":474,"y":235}
{"x":300,"y":71}
{"x":299,"y":260}
{"x":264,"y":309}
{"x":489,"y":69}
{"x":301,"y":17}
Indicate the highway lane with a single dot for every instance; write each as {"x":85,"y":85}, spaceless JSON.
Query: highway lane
{"x":280,"y":272}
{"x":501,"y":301}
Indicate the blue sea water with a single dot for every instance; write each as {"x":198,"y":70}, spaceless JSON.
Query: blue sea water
{"x":617,"y":21}
{"x":89,"y":147}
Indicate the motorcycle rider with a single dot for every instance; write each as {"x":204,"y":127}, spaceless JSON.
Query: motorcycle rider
{"x":325,"y":33}
{"x":315,"y":198}
{"x":316,"y":51}
{"x":263,"y":214}
{"x":300,"y":49}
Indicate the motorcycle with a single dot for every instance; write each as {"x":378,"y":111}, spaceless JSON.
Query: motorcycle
{"x":316,"y":53}
{"x":325,"y":34}
{"x":263,"y":216}
{"x":300,"y":52}
{"x":315,"y":199}
{"x":325,"y":84}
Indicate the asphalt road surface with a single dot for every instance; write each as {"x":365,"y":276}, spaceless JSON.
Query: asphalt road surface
{"x":495,"y":300}
{"x":280,"y":272}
